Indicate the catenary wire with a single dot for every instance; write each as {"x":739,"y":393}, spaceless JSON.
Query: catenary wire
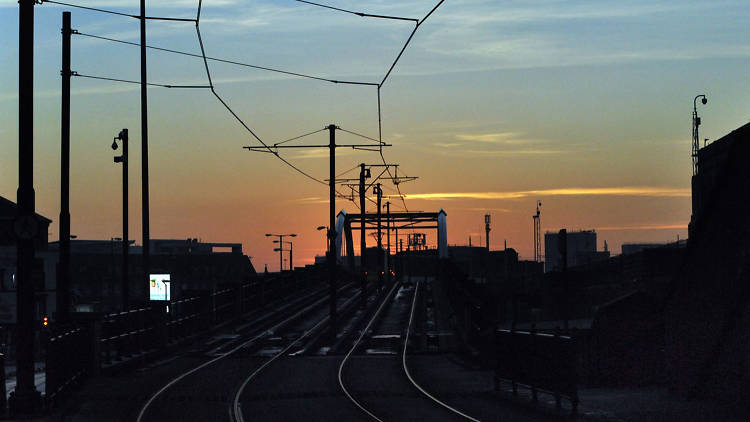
{"x":360,"y":14}
{"x":103,"y":78}
{"x":111,"y":12}
{"x":232,"y":62}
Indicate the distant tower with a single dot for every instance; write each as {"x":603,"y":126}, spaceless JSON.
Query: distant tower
{"x":487,"y":230}
{"x":537,"y":234}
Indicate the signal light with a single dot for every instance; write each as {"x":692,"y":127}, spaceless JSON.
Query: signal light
{"x":45,"y":321}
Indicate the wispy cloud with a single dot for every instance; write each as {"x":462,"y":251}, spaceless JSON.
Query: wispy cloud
{"x":641,"y":191}
{"x":646,"y":226}
{"x":500,"y":137}
{"x":309,"y":200}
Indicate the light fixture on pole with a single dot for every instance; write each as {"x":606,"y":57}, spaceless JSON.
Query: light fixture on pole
{"x":280,"y":241}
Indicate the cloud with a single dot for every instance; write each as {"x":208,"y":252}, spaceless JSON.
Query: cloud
{"x":646,"y":226}
{"x":641,"y":191}
{"x":501,"y":137}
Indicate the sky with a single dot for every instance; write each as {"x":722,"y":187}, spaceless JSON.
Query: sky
{"x":583,"y":105}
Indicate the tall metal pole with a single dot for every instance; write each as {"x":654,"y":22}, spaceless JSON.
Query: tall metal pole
{"x":487,"y":231}
{"x":281,"y":253}
{"x":291,"y":251}
{"x":332,"y":227}
{"x":25,"y":399}
{"x":388,"y":237}
{"x":362,"y":241}
{"x":380,"y":241}
{"x":125,"y":287}
{"x":63,"y":269}
{"x":144,"y":149}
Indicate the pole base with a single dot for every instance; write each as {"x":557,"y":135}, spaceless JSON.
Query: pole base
{"x":25,"y":404}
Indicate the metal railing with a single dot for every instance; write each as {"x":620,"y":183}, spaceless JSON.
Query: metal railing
{"x":543,"y":362}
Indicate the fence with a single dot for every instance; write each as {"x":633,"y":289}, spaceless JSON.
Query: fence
{"x":543,"y":362}
{"x":69,"y":351}
{"x":99,"y":341}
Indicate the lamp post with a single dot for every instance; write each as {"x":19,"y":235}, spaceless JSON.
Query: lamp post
{"x":280,"y":241}
{"x":123,"y":159}
{"x":696,"y":123}
{"x":291,"y":248}
{"x":319,"y":228}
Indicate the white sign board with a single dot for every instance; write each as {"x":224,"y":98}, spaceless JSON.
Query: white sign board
{"x":158,"y":286}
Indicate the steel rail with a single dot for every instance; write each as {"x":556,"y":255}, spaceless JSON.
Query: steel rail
{"x":235,"y":411}
{"x":356,"y":343}
{"x":230,"y":352}
{"x":406,"y":368}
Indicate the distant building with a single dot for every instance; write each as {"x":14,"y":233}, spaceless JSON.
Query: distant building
{"x":581,"y":246}
{"x":631,"y":248}
{"x":194,"y":266}
{"x":43,"y":273}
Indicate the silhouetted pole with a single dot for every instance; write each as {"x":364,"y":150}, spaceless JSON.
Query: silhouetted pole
{"x":291,"y":262}
{"x":144,"y":150}
{"x":123,"y":136}
{"x":487,"y":231}
{"x":332,"y":228}
{"x":25,"y":399}
{"x":281,"y":247}
{"x":388,"y":241}
{"x":63,"y":269}
{"x":563,"y":247}
{"x":362,"y":241}
{"x":379,"y":193}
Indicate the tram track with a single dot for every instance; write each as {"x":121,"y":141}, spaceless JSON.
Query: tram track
{"x":272,"y":326}
{"x":410,"y":394}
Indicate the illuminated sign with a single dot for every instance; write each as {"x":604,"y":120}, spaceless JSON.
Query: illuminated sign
{"x":158,"y":286}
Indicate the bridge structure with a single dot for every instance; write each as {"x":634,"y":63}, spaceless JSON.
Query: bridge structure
{"x":396,"y":221}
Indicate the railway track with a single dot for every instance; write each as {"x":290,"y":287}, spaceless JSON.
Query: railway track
{"x":190,"y":388}
{"x":404,"y":393}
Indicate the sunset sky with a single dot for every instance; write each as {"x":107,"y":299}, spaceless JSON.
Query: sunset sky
{"x":583,"y":105}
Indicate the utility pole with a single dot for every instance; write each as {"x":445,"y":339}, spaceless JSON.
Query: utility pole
{"x":487,"y":230}
{"x":25,"y":400}
{"x":363,"y":174}
{"x":537,"y":233}
{"x":388,"y":237}
{"x":144,"y":151}
{"x":123,"y":136}
{"x":332,"y":227}
{"x":379,"y":193}
{"x":63,"y":269}
{"x":332,"y":216}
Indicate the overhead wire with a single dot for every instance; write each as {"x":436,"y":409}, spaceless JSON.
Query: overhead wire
{"x":224,"y":103}
{"x":360,"y":14}
{"x":242,"y":122}
{"x":232,"y":62}
{"x":104,"y":78}
{"x":111,"y":12}
{"x":300,"y":136}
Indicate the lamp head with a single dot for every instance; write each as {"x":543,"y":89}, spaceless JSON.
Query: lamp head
{"x":114,"y":144}
{"x":704,"y":100}
{"x":268,"y":234}
{"x":293,"y":235}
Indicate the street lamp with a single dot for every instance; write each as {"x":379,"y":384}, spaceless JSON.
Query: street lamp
{"x":281,"y":238}
{"x":123,"y":159}
{"x":291,"y":251}
{"x":696,"y":123}
{"x":319,"y":228}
